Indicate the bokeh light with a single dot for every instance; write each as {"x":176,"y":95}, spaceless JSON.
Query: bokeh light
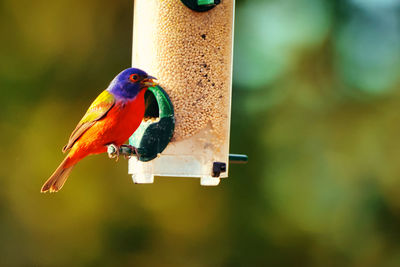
{"x":315,"y":106}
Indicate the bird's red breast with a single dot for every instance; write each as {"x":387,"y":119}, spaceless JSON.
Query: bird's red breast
{"x":116,"y":127}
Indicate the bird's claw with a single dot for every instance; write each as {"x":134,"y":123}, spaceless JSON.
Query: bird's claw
{"x":132,"y":149}
{"x":113,"y":151}
{"x":136,"y":153}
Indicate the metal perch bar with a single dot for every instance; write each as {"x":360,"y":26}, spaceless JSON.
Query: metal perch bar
{"x":123,"y":150}
{"x":127,"y":151}
{"x":238,"y":158}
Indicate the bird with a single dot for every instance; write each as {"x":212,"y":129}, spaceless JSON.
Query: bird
{"x":110,"y":120}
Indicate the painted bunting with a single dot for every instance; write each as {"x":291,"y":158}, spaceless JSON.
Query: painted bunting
{"x":110,"y":120}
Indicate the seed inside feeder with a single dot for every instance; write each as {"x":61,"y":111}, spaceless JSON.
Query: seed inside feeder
{"x":190,"y":53}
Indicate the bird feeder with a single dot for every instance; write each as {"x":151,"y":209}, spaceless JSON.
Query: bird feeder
{"x":187,"y":45}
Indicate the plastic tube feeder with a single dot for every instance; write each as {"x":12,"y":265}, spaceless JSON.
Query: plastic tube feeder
{"x":190,"y":53}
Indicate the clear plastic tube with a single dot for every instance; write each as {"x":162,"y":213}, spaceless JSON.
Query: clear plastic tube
{"x":191,"y":55}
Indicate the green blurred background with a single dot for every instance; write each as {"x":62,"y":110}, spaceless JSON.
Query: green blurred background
{"x":315,"y":106}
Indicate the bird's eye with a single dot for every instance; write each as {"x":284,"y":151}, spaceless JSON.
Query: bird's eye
{"x":134,"y":78}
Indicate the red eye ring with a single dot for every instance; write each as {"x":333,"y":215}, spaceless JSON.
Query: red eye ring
{"x":134,"y":78}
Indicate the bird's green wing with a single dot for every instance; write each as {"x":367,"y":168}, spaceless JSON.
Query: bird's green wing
{"x":97,"y":110}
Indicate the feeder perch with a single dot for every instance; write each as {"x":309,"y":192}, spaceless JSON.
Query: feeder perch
{"x":157,"y":128}
{"x":187,"y":45}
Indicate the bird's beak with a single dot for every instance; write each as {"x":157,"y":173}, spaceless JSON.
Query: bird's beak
{"x":148,"y":81}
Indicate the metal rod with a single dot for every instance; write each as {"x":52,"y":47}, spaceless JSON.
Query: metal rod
{"x":238,"y":159}
{"x":124,"y":150}
{"x":128,"y":151}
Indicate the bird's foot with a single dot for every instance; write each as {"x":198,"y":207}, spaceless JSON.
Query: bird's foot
{"x":133,"y":150}
{"x":113,"y":151}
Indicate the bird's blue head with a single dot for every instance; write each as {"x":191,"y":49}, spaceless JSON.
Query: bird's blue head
{"x":130,"y":82}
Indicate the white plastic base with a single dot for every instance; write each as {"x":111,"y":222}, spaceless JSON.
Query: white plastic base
{"x":191,"y":158}
{"x":147,"y":178}
{"x":209,"y":181}
{"x":143,"y":178}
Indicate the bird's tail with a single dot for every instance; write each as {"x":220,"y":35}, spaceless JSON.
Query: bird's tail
{"x":58,"y":178}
